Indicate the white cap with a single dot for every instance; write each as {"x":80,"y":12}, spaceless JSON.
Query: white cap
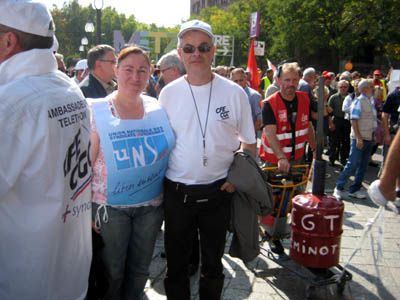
{"x":196,"y":25}
{"x":27,"y":16}
{"x":81,"y":65}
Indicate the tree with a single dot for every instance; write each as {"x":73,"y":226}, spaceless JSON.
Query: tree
{"x":314,"y":32}
{"x":70,"y":22}
{"x":338,"y":28}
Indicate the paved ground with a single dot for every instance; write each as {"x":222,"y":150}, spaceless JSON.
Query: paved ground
{"x":265,"y":279}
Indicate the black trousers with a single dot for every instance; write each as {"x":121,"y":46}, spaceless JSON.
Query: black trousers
{"x":340,"y":141}
{"x":192,"y":210}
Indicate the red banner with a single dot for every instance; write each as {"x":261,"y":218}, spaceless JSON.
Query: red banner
{"x":252,"y":68}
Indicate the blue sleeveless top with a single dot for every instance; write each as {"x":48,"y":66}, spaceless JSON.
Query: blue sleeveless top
{"x":136,"y":152}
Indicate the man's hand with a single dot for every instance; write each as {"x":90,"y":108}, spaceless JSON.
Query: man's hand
{"x":381,"y":196}
{"x":228,"y":187}
{"x":359,"y":144}
{"x":331,"y":126}
{"x":283,"y":165}
{"x":94,"y":227}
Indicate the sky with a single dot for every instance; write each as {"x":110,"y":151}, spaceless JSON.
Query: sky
{"x":161,"y":12}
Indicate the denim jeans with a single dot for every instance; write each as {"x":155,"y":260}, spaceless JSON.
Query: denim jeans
{"x":129,"y":237}
{"x":356,"y":165}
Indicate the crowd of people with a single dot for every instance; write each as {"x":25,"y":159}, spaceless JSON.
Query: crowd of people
{"x":92,"y":165}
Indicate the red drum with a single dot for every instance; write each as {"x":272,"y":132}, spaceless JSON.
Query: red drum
{"x":316,"y":230}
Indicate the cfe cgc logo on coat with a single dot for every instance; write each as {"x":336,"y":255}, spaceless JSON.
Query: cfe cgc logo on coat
{"x":77,"y":173}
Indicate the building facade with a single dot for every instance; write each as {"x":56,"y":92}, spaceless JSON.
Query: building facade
{"x":197,"y":5}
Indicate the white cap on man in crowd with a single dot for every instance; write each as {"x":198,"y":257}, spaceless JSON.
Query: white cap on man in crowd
{"x":27,"y":16}
{"x":196,"y":25}
{"x":81,"y":65}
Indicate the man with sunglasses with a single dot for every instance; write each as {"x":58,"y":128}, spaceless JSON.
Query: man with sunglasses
{"x":211,"y":118}
{"x":45,"y":171}
{"x":100,"y":82}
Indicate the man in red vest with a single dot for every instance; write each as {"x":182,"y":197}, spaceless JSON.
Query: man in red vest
{"x":286,"y":121}
{"x":287,"y":126}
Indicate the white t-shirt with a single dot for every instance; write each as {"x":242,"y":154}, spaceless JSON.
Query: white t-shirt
{"x":229,"y":123}
{"x":45,"y":207}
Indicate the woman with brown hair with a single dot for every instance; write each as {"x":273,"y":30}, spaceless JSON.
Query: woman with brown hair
{"x":131,"y":141}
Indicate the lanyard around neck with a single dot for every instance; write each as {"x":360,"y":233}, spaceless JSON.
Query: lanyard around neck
{"x":203,"y":131}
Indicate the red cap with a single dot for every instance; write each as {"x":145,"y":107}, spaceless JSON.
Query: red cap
{"x":326,"y":75}
{"x":377,"y":72}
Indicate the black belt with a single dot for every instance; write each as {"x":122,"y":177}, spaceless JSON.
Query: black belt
{"x":196,"y":192}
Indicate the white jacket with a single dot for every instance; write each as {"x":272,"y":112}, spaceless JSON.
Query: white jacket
{"x":45,"y":212}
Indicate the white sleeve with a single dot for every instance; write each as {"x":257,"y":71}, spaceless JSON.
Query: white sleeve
{"x":346,"y":104}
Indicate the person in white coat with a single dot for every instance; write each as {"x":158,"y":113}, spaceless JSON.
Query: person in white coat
{"x":45,"y":169}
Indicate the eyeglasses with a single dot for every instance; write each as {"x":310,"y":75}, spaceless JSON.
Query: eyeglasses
{"x":203,"y":48}
{"x":113,"y":61}
{"x":166,"y":69}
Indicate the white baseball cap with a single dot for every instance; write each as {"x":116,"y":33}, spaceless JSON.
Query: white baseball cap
{"x":27,"y":16}
{"x":81,"y":65}
{"x":196,"y":25}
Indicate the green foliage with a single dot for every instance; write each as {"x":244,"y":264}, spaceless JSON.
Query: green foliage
{"x":312,"y":30}
{"x":70,"y":20}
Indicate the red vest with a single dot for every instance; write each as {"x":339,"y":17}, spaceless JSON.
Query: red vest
{"x":283,"y":129}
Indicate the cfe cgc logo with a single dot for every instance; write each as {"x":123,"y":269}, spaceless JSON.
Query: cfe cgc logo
{"x":222,"y":112}
{"x":78,"y":174}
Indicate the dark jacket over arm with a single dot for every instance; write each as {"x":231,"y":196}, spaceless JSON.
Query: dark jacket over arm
{"x":253,"y":198}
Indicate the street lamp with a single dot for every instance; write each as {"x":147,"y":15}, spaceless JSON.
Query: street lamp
{"x":84,"y":41}
{"x":98,"y":5}
{"x":89,"y":27}
{"x":82,"y":50}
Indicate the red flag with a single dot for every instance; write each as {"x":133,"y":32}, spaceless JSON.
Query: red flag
{"x":271,"y":65}
{"x":252,"y":68}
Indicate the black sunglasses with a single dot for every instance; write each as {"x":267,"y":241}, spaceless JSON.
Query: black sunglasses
{"x":203,"y":48}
